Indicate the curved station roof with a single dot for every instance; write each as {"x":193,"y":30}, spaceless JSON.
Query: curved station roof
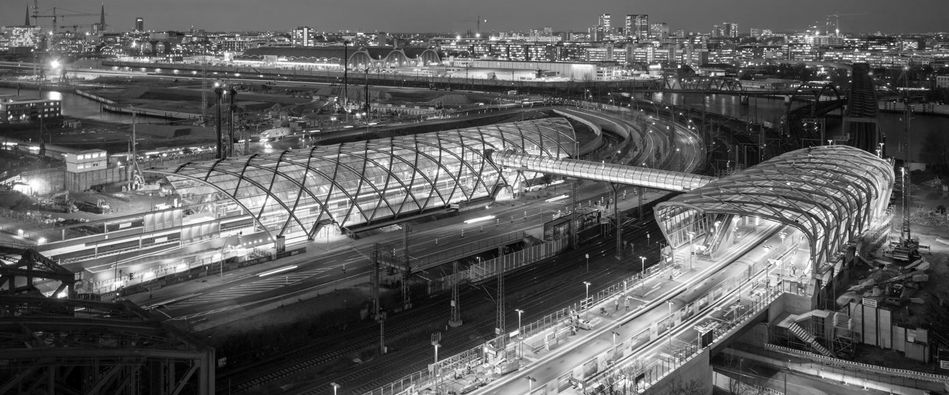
{"x":830,"y":193}
{"x":296,"y":191}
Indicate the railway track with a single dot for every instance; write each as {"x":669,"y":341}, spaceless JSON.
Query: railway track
{"x":539,"y":296}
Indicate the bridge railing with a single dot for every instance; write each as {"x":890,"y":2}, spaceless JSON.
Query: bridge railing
{"x":853,"y":365}
{"x":692,"y":350}
{"x":622,"y":363}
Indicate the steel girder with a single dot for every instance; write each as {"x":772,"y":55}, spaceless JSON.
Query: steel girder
{"x":355,"y":183}
{"x":830,"y":193}
{"x":31,"y":265}
{"x":67,"y":346}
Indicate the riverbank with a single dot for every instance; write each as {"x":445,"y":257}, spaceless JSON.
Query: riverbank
{"x":924,"y":108}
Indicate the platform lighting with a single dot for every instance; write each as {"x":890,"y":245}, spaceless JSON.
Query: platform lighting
{"x":556,"y":198}
{"x":277,"y":270}
{"x":479,"y":219}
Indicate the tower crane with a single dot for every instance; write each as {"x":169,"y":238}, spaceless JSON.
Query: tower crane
{"x":54,"y":16}
{"x":478,"y":21}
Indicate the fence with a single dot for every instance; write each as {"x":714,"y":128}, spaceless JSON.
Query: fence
{"x":465,"y":250}
{"x":487,"y":269}
{"x":627,"y":365}
{"x":719,"y":334}
{"x":852,"y":365}
{"x":113,"y":106}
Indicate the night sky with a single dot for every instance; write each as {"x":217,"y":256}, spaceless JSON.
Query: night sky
{"x":888,"y":16}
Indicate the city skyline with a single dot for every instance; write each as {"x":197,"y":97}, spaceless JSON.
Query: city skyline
{"x":857,"y":16}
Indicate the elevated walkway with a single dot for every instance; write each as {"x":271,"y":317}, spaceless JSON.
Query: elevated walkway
{"x":606,"y":172}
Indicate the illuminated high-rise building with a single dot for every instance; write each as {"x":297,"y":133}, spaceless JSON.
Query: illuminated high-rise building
{"x":659,"y":31}
{"x":629,"y":29}
{"x":303,"y":36}
{"x":642,"y":26}
{"x":730,"y":29}
{"x":139,"y":24}
{"x":605,"y":24}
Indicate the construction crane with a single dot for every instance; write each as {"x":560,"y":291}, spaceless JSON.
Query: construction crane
{"x":907,"y":248}
{"x":54,"y":16}
{"x":478,"y":22}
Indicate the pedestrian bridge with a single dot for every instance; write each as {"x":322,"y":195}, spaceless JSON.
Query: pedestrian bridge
{"x":605,"y":172}
{"x":831,"y":194}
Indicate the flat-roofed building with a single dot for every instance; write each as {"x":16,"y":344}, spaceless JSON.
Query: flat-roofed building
{"x":22,"y":110}
{"x":89,"y":160}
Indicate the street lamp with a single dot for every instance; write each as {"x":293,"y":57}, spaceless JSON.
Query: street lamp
{"x":335,"y":387}
{"x":436,"y":339}
{"x":670,"y":303}
{"x":642,"y":273}
{"x":520,"y":334}
{"x":587,"y":256}
{"x":691,"y":248}
{"x":530,"y":384}
{"x":587,"y":283}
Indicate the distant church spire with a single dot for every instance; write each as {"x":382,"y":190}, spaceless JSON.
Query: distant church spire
{"x":102,"y":17}
{"x":26,"y":22}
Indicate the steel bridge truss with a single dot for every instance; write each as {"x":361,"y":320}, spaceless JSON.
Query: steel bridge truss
{"x":705,"y":84}
{"x":21,"y":270}
{"x":63,"y":346}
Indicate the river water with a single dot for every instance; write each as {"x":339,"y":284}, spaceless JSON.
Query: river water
{"x":757,"y":110}
{"x":772,"y":109}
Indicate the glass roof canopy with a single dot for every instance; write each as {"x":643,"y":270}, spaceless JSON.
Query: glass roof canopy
{"x":294,"y":192}
{"x":830,"y":193}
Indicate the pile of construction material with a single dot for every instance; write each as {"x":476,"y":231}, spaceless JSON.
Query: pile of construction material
{"x":889,"y":283}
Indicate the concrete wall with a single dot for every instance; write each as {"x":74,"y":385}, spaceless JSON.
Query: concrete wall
{"x":45,"y":181}
{"x":695,"y":377}
{"x":757,"y":335}
{"x":78,"y":182}
{"x":789,"y":303}
{"x":874,"y":326}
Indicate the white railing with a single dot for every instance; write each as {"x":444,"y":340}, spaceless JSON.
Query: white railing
{"x":843,"y":363}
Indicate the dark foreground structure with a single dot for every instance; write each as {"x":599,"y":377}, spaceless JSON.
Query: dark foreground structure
{"x":67,"y":344}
